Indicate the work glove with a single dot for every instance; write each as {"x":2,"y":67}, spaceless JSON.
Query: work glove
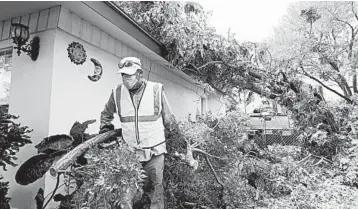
{"x":108,"y":142}
{"x":106,"y":128}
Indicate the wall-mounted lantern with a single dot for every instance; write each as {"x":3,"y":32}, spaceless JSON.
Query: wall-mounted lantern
{"x":20,"y":35}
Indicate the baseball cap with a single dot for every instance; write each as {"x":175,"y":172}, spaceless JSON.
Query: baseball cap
{"x":129,"y":65}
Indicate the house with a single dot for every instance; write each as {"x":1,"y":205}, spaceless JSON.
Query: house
{"x":54,"y":91}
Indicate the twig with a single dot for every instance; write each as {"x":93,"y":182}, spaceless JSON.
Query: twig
{"x":270,"y":59}
{"x":54,"y":191}
{"x":210,"y":63}
{"x":87,"y":166}
{"x":319,"y":162}
{"x":345,"y":22}
{"x":214,"y":172}
{"x":181,"y":205}
{"x":299,"y":163}
{"x":193,"y":149}
{"x":325,"y":159}
{"x":190,"y":204}
{"x":217,"y":123}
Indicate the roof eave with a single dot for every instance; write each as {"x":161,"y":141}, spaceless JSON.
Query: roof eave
{"x":117,"y":9}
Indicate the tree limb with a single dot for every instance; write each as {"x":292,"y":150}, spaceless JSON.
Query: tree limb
{"x":71,"y":156}
{"x":205,"y":153}
{"x":339,"y":83}
{"x":214,"y":172}
{"x":334,"y":37}
{"x":333,"y":65}
{"x":325,"y":86}
{"x":345,"y":84}
{"x":352,"y":35}
{"x":261,"y":91}
{"x":209,"y":63}
{"x":223,"y":93}
{"x":345,"y":22}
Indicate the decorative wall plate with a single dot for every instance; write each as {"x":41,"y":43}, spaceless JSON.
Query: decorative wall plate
{"x":97,"y":71}
{"x":76,"y":53}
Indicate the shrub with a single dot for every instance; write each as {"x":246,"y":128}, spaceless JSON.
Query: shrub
{"x":13,"y":136}
{"x":109,"y":176}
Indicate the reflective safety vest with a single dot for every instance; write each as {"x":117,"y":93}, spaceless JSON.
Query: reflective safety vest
{"x":143,"y":124}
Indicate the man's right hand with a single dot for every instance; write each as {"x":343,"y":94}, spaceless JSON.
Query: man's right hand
{"x":108,"y":142}
{"x":106,"y":128}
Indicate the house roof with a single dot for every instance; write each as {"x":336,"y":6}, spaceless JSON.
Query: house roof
{"x":116,"y":8}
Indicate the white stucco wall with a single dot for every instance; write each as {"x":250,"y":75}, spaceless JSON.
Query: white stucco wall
{"x":30,"y":99}
{"x":75,"y":97}
{"x":216,"y":104}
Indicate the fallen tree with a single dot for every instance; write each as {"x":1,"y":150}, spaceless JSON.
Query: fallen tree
{"x":308,"y":49}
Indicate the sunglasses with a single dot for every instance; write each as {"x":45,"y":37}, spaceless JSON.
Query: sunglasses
{"x":127,"y":64}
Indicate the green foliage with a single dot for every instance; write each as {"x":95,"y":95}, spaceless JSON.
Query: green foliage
{"x":311,"y":15}
{"x":257,"y":176}
{"x":184,"y":183}
{"x":110,"y":176}
{"x":13,"y":136}
{"x":4,"y":200}
{"x":180,"y":181}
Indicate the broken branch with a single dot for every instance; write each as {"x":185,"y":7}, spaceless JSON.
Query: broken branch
{"x":214,"y":172}
{"x":71,"y":156}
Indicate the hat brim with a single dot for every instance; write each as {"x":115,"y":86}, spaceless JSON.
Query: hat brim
{"x":128,"y":70}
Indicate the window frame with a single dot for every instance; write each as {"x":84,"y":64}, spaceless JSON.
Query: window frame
{"x":3,"y":52}
{"x":203,"y":106}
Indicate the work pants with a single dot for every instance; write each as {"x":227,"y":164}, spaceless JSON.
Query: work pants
{"x":153,"y":184}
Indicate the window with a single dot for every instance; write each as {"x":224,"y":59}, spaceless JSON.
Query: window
{"x":5,"y":76}
{"x":203,"y":106}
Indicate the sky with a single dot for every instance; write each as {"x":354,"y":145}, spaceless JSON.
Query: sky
{"x":249,"y":20}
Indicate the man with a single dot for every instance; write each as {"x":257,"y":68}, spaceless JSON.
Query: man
{"x":144,"y":113}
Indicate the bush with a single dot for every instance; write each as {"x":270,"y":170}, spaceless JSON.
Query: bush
{"x":13,"y":136}
{"x":109,"y":176}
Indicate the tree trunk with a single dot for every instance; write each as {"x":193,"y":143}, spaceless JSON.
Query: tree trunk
{"x":71,"y":156}
{"x":345,"y":84}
